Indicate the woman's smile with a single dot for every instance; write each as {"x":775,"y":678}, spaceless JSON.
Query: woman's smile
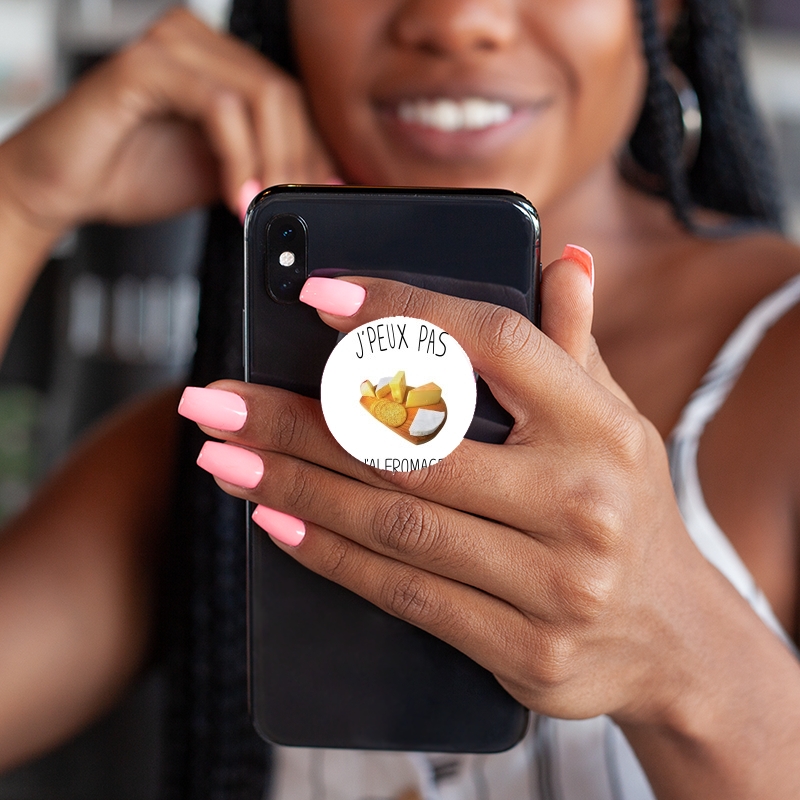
{"x":457,"y":128}
{"x":526,"y":96}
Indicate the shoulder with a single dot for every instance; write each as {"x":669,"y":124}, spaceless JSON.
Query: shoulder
{"x":732,"y":275}
{"x":764,"y":270}
{"x":758,"y":259}
{"x":763,"y":252}
{"x":749,"y":458}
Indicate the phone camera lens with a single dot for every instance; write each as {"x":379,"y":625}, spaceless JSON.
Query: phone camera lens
{"x":286,"y":256}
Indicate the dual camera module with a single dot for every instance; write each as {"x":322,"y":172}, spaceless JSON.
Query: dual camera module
{"x":287,"y":243}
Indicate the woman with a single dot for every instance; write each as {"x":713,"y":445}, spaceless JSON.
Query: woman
{"x":576,"y":577}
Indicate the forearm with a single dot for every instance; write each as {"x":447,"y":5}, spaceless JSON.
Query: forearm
{"x":24,"y":248}
{"x":77,"y":578}
{"x":732,"y":730}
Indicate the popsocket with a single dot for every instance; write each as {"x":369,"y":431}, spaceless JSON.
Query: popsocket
{"x":398,"y":393}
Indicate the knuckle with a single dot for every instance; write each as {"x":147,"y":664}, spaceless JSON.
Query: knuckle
{"x":406,"y":525}
{"x":274,"y":93}
{"x":224,"y":101}
{"x":589,"y":591}
{"x":412,"y":598}
{"x":334,"y":560}
{"x":131,"y":72}
{"x":594,"y":514}
{"x":626,"y":438}
{"x":551,"y":665}
{"x":300,"y":489}
{"x":506,"y":333}
{"x":288,"y":427}
{"x":131,"y":60}
{"x":408,"y":300}
{"x":167,"y":27}
{"x":594,"y":361}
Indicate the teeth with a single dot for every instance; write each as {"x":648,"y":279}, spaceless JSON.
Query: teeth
{"x":448,"y":115}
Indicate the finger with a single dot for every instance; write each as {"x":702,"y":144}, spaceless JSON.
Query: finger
{"x":283,"y":134}
{"x":492,"y":557}
{"x":233,"y":139}
{"x":288,"y":148}
{"x":269,"y":419}
{"x":477,"y":478}
{"x":154,"y":85}
{"x":567,"y":302}
{"x":531,"y":377}
{"x":567,"y":311}
{"x":488,"y":630}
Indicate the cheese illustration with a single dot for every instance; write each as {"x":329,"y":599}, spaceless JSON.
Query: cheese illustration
{"x":426,"y":422}
{"x":426,"y":395}
{"x":382,"y":388}
{"x":398,"y":387}
{"x":367,"y":389}
{"x":389,"y":413}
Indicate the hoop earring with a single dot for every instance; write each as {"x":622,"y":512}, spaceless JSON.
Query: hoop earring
{"x":691,"y":120}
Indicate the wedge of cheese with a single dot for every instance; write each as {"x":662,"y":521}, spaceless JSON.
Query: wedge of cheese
{"x":367,"y":389}
{"x":426,"y":395}
{"x":398,"y":387}
{"x":382,"y":388}
{"x":426,"y":422}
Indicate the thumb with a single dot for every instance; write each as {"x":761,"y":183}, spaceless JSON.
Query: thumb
{"x":568,"y":303}
{"x":567,"y":310}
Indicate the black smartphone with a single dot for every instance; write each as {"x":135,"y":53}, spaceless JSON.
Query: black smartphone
{"x":327,"y":668}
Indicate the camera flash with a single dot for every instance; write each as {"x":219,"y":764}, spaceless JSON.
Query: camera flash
{"x":286,"y":258}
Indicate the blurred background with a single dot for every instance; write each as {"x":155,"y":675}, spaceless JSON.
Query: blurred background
{"x":114,"y":313}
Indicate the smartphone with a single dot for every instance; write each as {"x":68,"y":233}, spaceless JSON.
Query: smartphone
{"x":327,"y":668}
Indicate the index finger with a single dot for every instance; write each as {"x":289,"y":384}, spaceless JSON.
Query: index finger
{"x":521,"y":365}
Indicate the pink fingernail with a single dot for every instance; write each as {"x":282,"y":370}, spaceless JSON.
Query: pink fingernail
{"x":250,"y":188}
{"x":341,"y":298}
{"x":232,"y":464}
{"x":216,"y":408}
{"x":334,"y":180}
{"x":580,"y":255}
{"x":283,"y":527}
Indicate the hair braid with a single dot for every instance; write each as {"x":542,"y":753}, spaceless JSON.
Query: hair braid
{"x":656,"y":143}
{"x":733,"y":172}
{"x":265,"y":25}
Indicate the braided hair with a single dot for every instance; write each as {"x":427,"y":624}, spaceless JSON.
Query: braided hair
{"x":733,"y":172}
{"x":211,"y":749}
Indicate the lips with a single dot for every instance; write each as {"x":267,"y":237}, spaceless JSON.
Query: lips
{"x":460,"y":121}
{"x":454,"y":129}
{"x":449,"y":115}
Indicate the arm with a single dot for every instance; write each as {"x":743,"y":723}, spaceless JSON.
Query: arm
{"x":24,"y":248}
{"x":558,"y":560}
{"x":77,"y":572}
{"x":180,"y":118}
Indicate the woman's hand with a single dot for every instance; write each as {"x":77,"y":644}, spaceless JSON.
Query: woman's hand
{"x":543,"y":558}
{"x":557,"y":560}
{"x":180,"y":117}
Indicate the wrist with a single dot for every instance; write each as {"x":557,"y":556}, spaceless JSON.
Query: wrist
{"x":23,"y":235}
{"x":25,"y":244}
{"x":723,"y":719}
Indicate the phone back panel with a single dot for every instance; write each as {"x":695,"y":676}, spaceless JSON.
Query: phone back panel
{"x":327,"y":668}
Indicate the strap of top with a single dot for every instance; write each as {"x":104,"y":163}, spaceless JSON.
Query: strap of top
{"x":684,"y":441}
{"x":726,"y":368}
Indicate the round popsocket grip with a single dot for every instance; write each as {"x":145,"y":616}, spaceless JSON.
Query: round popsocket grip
{"x":398,"y":393}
